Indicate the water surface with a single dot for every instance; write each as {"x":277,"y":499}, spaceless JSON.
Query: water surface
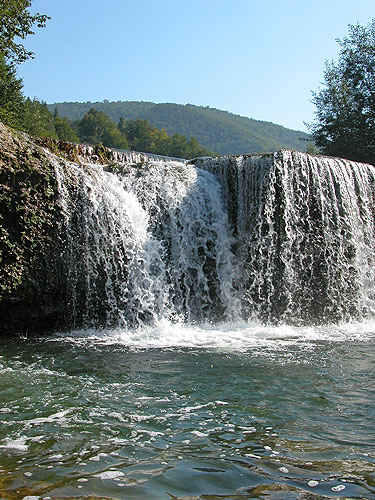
{"x":177,"y":412}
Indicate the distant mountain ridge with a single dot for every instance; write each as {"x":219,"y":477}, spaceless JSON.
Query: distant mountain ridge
{"x":219,"y":131}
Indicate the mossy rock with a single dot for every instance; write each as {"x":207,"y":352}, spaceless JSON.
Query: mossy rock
{"x":28,"y":234}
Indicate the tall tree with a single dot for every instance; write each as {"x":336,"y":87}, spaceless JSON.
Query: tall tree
{"x":11,"y":97}
{"x":17,"y":23}
{"x":37,"y":120}
{"x":139,"y":133}
{"x":345,"y":106}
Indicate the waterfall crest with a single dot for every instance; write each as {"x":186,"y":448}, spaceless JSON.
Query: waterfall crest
{"x":277,"y":238}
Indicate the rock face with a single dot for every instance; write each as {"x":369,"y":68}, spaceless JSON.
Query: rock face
{"x":28,"y":228}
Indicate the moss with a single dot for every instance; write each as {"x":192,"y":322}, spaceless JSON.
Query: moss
{"x":28,"y":192}
{"x":104,"y":154}
{"x":76,"y":152}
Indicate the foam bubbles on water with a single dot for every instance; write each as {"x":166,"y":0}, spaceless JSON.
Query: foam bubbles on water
{"x":313,"y":483}
{"x":110,"y":474}
{"x":59,"y":416}
{"x":230,"y":337}
{"x":339,"y":487}
{"x":18,"y":444}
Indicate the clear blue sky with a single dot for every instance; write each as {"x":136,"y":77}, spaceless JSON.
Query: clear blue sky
{"x":256,"y":58}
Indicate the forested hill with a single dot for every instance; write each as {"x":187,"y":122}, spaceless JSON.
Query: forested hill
{"x":219,"y":131}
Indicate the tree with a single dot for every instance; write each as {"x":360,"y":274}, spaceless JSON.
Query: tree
{"x":179,"y":146}
{"x":11,"y":97}
{"x":143,"y":136}
{"x":195,"y":149}
{"x":17,"y":22}
{"x":64,"y":129}
{"x":37,"y":120}
{"x":97,"y":127}
{"x":139,"y":133}
{"x":345,"y":114}
{"x":161,"y":142}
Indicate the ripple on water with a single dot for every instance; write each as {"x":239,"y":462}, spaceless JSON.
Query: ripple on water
{"x":271,"y":416}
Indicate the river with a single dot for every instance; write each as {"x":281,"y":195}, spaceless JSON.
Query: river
{"x":237,"y":411}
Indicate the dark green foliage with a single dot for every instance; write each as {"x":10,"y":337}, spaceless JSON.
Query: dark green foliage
{"x":97,"y":127}
{"x":139,"y":134}
{"x":64,"y":130}
{"x":219,"y":131}
{"x":31,"y":116}
{"x":17,"y":23}
{"x":11,"y":97}
{"x":30,"y":287}
{"x":142,"y":136}
{"x":345,"y":114}
{"x":34,"y":118}
{"x":37,"y":120}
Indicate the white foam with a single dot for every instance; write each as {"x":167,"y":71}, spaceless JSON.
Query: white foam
{"x":340,"y":487}
{"x":109,"y":474}
{"x":226,"y":336}
{"x":15,"y":444}
{"x":55,"y":416}
{"x":199,"y":434}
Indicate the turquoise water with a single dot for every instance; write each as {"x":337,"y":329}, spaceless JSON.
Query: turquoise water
{"x":174,"y":412}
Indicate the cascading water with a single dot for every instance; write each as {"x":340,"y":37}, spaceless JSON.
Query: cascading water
{"x":149,"y":242}
{"x":305,"y":235}
{"x":276,"y":238}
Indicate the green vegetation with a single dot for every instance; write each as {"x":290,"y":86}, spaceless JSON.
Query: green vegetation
{"x":219,"y":131}
{"x":142,"y":136}
{"x":345,"y":114}
{"x":34,"y":118}
{"x":17,"y":23}
{"x":11,"y":97}
{"x":27,"y":195}
{"x":29,"y":235}
{"x":64,"y":129}
{"x":28,"y":115}
{"x":95,"y":127}
{"x":166,"y":129}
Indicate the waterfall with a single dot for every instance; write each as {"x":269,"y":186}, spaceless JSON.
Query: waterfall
{"x":148,"y":241}
{"x":280,"y":238}
{"x":305,"y":232}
